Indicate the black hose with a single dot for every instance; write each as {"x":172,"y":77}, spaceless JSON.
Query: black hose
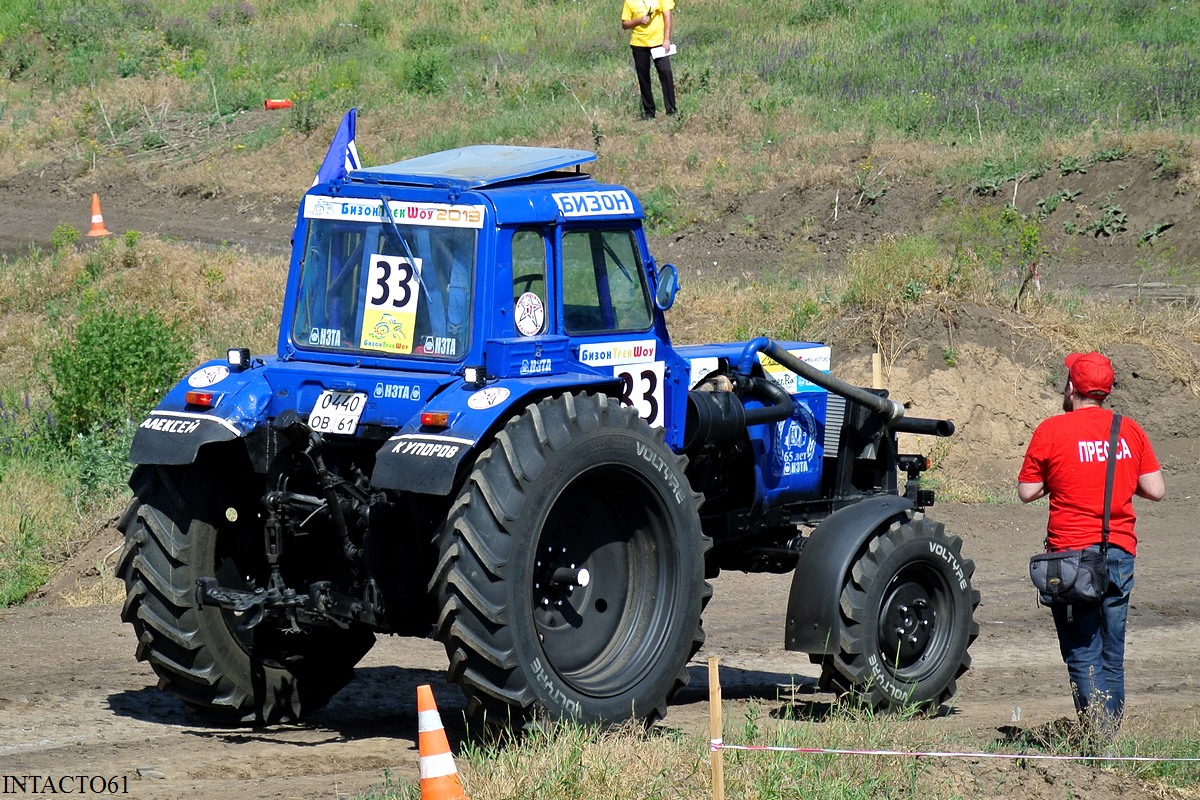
{"x":767,"y":390}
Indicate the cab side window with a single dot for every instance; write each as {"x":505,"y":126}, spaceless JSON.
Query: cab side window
{"x":604,"y":285}
{"x":529,"y":287}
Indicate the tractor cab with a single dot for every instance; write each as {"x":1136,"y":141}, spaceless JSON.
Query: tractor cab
{"x":386,"y":262}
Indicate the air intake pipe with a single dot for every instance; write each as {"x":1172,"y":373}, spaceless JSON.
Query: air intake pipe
{"x":891,"y":411}
{"x":720,"y":418}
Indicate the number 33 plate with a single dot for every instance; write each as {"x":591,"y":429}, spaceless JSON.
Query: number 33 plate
{"x":642,"y":388}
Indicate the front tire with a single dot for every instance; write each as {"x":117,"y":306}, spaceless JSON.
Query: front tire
{"x":571,"y":569}
{"x":907,"y":618}
{"x":189,"y":522}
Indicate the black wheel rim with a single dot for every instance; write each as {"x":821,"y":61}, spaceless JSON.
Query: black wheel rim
{"x":605,"y":636}
{"x":915,"y":621}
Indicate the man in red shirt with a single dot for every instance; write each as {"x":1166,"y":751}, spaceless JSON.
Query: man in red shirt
{"x":1067,"y":459}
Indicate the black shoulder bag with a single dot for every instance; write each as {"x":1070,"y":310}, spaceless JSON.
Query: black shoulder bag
{"x":1079,"y":576}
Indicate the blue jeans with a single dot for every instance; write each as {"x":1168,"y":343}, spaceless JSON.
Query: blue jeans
{"x":1091,"y":638}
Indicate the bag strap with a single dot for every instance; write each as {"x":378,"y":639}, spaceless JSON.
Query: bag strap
{"x":1113,"y":434}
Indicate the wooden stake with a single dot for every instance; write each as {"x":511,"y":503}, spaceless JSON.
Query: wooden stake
{"x":876,"y":371}
{"x":715,"y":728}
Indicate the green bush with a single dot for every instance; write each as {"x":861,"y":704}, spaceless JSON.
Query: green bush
{"x":659,"y":209}
{"x":371,"y":18}
{"x":64,"y":236}
{"x":115,"y":367}
{"x":23,"y":566}
{"x":101,"y":459}
{"x":424,"y":73}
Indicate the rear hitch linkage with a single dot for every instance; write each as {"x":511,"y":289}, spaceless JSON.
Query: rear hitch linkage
{"x":292,"y":511}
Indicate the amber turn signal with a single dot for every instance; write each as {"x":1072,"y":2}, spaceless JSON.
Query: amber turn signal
{"x":202,"y":399}
{"x":435,"y":419}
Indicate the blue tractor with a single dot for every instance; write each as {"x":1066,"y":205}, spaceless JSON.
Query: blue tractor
{"x":476,"y":428}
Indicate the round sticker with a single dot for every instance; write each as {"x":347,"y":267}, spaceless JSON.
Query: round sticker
{"x":531,"y":314}
{"x":207,"y":376}
{"x":486,"y":398}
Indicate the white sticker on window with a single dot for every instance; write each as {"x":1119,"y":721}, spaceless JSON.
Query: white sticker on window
{"x":530,"y":312}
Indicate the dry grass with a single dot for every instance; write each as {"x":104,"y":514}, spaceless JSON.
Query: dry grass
{"x":93,"y":585}
{"x":53,"y":517}
{"x":218,"y":298}
{"x":569,"y":761}
{"x":58,"y":526}
{"x":221,"y":298}
{"x":23,"y":338}
{"x":1169,"y":333}
{"x":30,"y":284}
{"x":710,"y":310}
{"x":104,"y":591}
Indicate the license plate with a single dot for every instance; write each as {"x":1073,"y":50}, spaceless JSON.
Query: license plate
{"x":337,"y":411}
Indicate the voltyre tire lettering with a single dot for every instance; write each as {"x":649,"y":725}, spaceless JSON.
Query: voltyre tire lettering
{"x":573,"y":482}
{"x":907,"y":618}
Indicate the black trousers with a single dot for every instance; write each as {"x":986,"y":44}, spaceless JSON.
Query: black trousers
{"x":641,"y":63}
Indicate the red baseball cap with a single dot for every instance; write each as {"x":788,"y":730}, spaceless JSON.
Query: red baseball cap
{"x":1090,"y":373}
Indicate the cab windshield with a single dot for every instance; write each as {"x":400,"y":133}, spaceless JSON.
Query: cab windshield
{"x":361,"y":290}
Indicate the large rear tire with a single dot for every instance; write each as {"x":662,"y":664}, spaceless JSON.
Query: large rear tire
{"x":189,"y":522}
{"x":907,"y":618}
{"x":574,"y":484}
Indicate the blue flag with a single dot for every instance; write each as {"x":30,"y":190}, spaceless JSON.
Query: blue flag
{"x":343,"y":155}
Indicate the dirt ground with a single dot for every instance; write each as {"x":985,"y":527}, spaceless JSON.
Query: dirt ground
{"x":74,"y":701}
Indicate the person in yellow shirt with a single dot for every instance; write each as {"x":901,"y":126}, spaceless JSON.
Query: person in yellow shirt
{"x":650,"y":23}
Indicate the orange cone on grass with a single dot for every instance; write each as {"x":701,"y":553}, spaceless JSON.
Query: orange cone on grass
{"x":439,"y":776}
{"x":98,"y":228}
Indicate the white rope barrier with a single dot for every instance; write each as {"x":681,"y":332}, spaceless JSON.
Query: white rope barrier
{"x":717,"y":744}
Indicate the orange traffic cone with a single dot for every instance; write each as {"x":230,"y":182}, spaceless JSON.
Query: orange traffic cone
{"x":439,"y":776}
{"x":98,"y":228}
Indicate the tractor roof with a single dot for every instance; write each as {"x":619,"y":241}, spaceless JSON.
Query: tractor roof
{"x":478,"y":166}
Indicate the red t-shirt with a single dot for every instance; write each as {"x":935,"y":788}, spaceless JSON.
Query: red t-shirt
{"x":1068,"y":453}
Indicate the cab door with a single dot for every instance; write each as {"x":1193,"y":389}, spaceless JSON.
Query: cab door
{"x":607,"y":312}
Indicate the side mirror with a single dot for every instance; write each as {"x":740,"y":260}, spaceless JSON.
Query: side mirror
{"x":668,"y":287}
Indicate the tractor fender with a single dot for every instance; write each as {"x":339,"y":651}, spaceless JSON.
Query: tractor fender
{"x":174,"y":432}
{"x":813,"y":617}
{"x":418,"y":459}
